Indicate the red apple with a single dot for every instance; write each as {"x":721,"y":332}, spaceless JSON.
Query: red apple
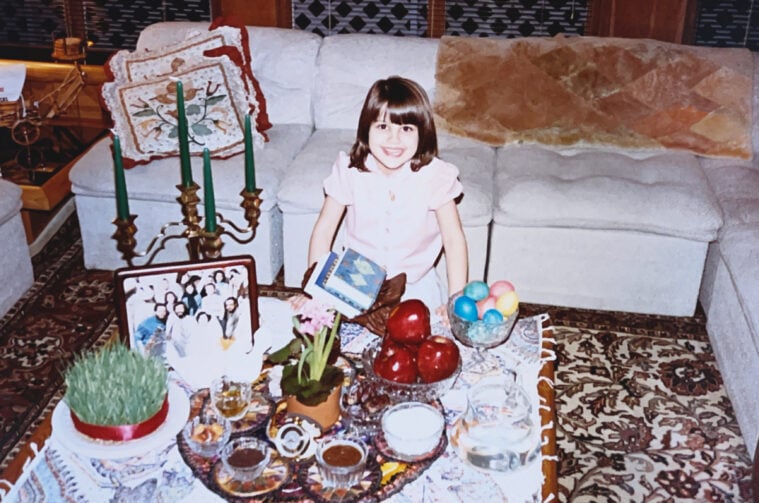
{"x":409,"y":322}
{"x":437,"y":358}
{"x":395,"y":362}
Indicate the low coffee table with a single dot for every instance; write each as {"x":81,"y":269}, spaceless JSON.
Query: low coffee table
{"x":448,"y":473}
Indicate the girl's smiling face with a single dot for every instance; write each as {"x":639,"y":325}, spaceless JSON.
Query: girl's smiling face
{"x":391,"y":144}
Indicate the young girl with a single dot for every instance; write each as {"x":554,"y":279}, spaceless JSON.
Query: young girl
{"x":397,"y":196}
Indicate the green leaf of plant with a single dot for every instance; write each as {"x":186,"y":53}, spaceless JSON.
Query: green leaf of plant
{"x":148,"y":112}
{"x":332,"y":376}
{"x":286,"y":352}
{"x":194,"y":109}
{"x":309,"y":391}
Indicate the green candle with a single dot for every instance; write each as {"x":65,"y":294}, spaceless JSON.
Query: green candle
{"x":122,"y":203}
{"x":250,"y":165}
{"x":184,"y":145}
{"x":208,"y":198}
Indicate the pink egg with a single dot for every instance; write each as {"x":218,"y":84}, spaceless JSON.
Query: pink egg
{"x":485,"y":304}
{"x":500,"y":287}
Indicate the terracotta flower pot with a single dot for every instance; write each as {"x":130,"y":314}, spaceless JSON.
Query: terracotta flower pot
{"x":325,"y":413}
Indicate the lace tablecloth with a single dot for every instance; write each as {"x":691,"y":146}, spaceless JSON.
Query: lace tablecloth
{"x":58,"y":474}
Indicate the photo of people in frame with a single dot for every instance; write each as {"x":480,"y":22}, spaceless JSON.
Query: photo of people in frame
{"x":186,"y":312}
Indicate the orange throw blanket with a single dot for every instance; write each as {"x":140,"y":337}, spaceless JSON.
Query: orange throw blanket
{"x":579,"y":91}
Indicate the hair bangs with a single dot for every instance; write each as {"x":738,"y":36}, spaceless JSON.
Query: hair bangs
{"x":404,"y":113}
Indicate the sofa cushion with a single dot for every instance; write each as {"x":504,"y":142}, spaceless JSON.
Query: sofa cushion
{"x":16,"y":273}
{"x":144,"y":112}
{"x":232,"y":41}
{"x":345,"y":75}
{"x":629,"y":93}
{"x":737,"y":190}
{"x":283,"y":61}
{"x":10,"y":200}
{"x":740,"y":251}
{"x":665,"y":194}
{"x":301,"y":190}
{"x":93,"y":172}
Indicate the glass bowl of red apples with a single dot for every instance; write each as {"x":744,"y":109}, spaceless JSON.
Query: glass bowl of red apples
{"x":410,"y":363}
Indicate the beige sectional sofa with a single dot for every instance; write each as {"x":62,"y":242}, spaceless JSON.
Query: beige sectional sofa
{"x":602,"y":227}
{"x":16,"y":274}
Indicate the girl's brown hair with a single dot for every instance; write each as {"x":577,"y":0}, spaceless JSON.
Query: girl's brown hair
{"x":406,"y":103}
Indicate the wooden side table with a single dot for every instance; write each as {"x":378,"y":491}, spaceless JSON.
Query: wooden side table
{"x":40,"y":203}
{"x":44,"y":190}
{"x":75,"y":109}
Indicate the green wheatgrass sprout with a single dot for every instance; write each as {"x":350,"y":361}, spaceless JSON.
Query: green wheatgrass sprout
{"x":115,"y":386}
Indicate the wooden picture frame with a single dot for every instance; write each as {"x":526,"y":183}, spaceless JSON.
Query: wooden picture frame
{"x":219,"y":299}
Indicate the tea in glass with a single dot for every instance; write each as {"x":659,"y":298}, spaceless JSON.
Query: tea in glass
{"x":230,"y":398}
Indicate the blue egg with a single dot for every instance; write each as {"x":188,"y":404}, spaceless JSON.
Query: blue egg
{"x":465,"y":308}
{"x":492,"y":316}
{"x":477,"y":290}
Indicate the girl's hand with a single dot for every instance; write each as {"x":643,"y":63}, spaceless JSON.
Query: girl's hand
{"x":442,"y":311}
{"x":297,"y":301}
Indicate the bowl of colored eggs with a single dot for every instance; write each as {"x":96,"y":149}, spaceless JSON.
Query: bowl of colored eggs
{"x":483,"y":315}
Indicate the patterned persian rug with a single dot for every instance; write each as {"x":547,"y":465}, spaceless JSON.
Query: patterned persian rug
{"x":643,"y":416}
{"x":641,"y":410}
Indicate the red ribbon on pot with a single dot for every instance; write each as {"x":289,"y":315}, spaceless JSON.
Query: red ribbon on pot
{"x":126,"y":431}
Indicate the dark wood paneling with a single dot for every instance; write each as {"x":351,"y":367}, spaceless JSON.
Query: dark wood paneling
{"x":276,"y":13}
{"x":666,"y":20}
{"x":436,"y":18}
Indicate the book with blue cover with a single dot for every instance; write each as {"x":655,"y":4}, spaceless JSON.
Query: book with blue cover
{"x":358,"y":277}
{"x":349,"y":281}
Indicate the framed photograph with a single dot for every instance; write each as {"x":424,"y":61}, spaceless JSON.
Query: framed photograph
{"x":188,"y":312}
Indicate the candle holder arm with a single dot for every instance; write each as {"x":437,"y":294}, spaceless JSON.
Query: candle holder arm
{"x":251,"y":203}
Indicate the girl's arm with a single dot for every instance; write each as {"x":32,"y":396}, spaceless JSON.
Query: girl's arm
{"x":454,"y":244}
{"x":321,"y":240}
{"x":325,"y":229}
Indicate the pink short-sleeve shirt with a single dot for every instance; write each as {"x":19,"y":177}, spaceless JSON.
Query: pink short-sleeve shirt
{"x":391,"y":218}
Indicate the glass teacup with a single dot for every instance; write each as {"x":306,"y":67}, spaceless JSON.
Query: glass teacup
{"x":341,"y":460}
{"x":230,"y":398}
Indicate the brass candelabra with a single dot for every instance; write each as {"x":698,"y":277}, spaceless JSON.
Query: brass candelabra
{"x":201,"y":243}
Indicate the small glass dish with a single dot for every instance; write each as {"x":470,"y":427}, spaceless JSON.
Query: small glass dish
{"x":231,"y":398}
{"x":479,"y":334}
{"x":362,"y":405}
{"x":245,"y":458}
{"x":341,"y":460}
{"x":207,"y":434}
{"x":412,"y":429}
